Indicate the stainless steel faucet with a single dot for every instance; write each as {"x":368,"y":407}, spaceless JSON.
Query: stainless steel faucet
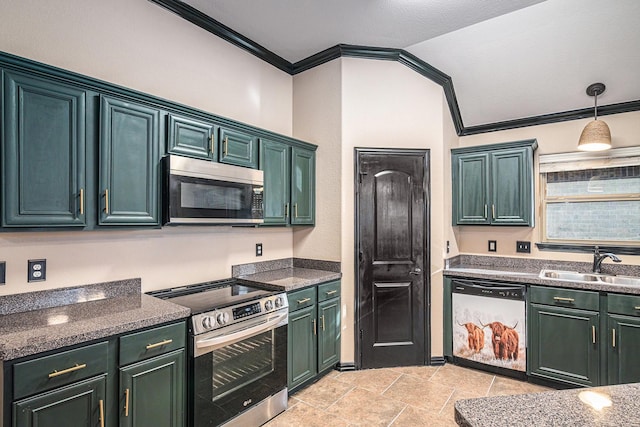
{"x":598,"y":258}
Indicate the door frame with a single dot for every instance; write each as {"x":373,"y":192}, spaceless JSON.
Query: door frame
{"x":426,"y":186}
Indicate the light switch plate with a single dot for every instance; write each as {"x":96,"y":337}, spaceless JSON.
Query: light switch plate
{"x":493,"y":246}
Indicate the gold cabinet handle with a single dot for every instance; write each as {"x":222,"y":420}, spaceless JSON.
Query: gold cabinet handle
{"x":331,"y":292}
{"x":126,"y":403}
{"x":593,"y":334}
{"x":302,"y":301}
{"x":563,"y":299}
{"x":225,"y":145}
{"x":493,"y":211}
{"x":486,"y":215}
{"x":159,"y":344}
{"x":323,"y":322}
{"x":295,"y":210}
{"x":106,"y":201}
{"x":101,"y":413}
{"x":82,"y":201}
{"x":637,"y":307}
{"x":613,"y":338}
{"x":67,"y":371}
{"x":315,"y":332}
{"x":211,"y":138}
{"x":286,"y":210}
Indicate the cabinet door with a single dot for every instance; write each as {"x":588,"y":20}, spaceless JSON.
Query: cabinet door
{"x":302,"y":350}
{"x":78,"y":405}
{"x":129,"y":163}
{"x":190,"y":137}
{"x":470,"y":189}
{"x":44,"y":153}
{"x":328,"y":333}
{"x":511,"y":187}
{"x":152,"y":392}
{"x":238,"y":148}
{"x":564,"y":344}
{"x":623,"y":349}
{"x":303,"y":186}
{"x":275,"y":161}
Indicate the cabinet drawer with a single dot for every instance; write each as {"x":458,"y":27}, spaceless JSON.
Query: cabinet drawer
{"x":302,"y":298}
{"x":328,"y":290}
{"x":565,"y":298}
{"x":624,"y":304}
{"x":45,"y":373}
{"x":145,"y":344}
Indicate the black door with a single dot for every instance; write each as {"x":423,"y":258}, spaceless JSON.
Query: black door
{"x":392,"y":251}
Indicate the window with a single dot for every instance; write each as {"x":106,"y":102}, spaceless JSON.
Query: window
{"x":589,"y":199}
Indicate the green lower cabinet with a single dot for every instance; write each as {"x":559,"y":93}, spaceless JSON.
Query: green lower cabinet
{"x":129,"y":163}
{"x":623,"y":348}
{"x":152,"y":392}
{"x":564,"y":344}
{"x":302,"y":350}
{"x":81,"y":404}
{"x":328,"y":333}
{"x":43,"y":162}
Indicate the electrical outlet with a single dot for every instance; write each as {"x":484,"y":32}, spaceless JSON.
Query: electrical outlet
{"x":3,"y":272}
{"x":524,"y":247}
{"x":258,"y":249}
{"x":493,"y":246}
{"x":37,"y":270}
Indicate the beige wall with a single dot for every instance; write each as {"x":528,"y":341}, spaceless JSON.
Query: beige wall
{"x":553,"y":138}
{"x":139,"y":45}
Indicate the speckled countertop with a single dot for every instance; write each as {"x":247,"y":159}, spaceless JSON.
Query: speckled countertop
{"x":34,"y":322}
{"x":521,"y":270}
{"x":554,"y":408}
{"x":290,"y":273}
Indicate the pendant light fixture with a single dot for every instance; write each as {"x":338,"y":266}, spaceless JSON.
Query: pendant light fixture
{"x":595,"y":135}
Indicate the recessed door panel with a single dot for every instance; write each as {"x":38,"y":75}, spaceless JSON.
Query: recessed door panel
{"x":393,"y":216}
{"x":394,"y":314}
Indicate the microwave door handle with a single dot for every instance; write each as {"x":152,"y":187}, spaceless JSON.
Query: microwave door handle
{"x":223,"y":340}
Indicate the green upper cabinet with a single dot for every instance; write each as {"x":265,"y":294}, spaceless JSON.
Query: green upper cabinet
{"x":191,"y":137}
{"x":275,"y":161}
{"x":129,"y":163}
{"x":238,"y":148}
{"x":493,"y":185}
{"x":303,"y":185}
{"x":44,"y":153}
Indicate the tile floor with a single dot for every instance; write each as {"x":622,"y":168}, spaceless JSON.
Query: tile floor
{"x":398,"y":397}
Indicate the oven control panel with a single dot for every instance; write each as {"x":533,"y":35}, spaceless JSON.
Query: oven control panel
{"x":221,"y":317}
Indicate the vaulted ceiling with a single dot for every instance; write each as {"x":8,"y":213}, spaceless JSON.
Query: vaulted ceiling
{"x":508,"y":60}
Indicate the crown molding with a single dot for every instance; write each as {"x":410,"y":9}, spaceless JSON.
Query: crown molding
{"x":386,"y":54}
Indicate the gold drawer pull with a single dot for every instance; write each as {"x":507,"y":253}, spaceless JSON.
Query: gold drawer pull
{"x":563,"y":299}
{"x":101,"y":413}
{"x":159,"y":344}
{"x":637,"y":307}
{"x":126,"y":403}
{"x":302,"y":301}
{"x":67,"y":371}
{"x":331,"y":292}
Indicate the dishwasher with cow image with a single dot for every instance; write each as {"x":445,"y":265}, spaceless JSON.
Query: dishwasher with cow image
{"x":489,"y":326}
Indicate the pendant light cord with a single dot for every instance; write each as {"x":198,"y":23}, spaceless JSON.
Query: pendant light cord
{"x":596,"y":104}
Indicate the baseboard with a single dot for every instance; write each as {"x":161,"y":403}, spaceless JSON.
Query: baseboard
{"x":344,"y":367}
{"x":438,"y":361}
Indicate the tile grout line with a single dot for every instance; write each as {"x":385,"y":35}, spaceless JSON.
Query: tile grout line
{"x":493,"y":380}
{"x":399,"y":413}
{"x":389,"y":386}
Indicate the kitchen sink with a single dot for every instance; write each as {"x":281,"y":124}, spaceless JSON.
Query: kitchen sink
{"x":574,"y":276}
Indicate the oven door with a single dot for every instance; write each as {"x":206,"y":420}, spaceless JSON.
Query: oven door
{"x":238,"y":367}
{"x":197,"y":200}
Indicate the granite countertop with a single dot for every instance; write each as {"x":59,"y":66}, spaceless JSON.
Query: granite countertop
{"x":554,"y":408}
{"x":527,"y":271}
{"x":69,"y":316}
{"x":291,"y":278}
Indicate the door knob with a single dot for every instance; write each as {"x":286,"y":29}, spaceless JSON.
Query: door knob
{"x":416,"y":271}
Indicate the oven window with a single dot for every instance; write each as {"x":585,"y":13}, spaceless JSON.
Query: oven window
{"x":241,"y":363}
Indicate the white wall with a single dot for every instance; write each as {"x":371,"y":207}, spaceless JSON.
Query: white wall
{"x":553,"y":138}
{"x":139,"y":45}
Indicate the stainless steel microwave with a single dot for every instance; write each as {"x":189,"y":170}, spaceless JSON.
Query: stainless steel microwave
{"x":205,"y":192}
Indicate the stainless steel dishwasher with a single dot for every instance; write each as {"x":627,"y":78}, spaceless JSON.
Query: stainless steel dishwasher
{"x":489,"y":326}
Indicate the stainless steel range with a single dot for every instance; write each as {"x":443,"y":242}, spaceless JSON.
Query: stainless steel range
{"x":238,"y":349}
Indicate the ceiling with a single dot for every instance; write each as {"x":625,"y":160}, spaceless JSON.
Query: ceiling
{"x":507,"y":59}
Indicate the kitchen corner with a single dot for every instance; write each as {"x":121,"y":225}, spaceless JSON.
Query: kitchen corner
{"x":288,"y":274}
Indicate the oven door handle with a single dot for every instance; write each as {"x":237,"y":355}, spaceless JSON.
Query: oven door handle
{"x":223,"y":340}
